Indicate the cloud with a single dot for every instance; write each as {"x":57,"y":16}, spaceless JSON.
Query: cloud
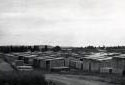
{"x":67,"y":22}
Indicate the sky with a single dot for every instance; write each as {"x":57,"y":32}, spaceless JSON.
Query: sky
{"x":62,"y":22}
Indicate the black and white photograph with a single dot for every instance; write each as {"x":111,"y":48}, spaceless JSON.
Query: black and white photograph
{"x":62,"y":42}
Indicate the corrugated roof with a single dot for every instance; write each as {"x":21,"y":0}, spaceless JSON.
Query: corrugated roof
{"x":30,"y":56}
{"x":98,"y":56}
{"x":45,"y":57}
{"x":120,"y":56}
{"x":55,"y":59}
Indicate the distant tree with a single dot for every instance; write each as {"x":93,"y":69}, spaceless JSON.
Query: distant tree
{"x":90,"y":47}
{"x":46,"y":48}
{"x":36,"y":48}
{"x":56,"y":49}
{"x":102,"y":48}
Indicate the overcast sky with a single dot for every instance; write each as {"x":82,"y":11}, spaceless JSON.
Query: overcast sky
{"x":62,"y":22}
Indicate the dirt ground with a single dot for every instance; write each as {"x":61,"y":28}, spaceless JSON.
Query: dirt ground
{"x":4,"y":66}
{"x":75,"y":80}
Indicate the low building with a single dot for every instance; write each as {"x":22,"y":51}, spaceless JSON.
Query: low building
{"x":49,"y":62}
{"x":72,"y":64}
{"x":55,"y":62}
{"x":39,"y":62}
{"x":93,"y":63}
{"x":106,"y":70}
{"x":79,"y":65}
{"x":86,"y":65}
{"x":19,"y":62}
{"x":76,"y":64}
{"x":67,"y":61}
{"x":118,"y":63}
{"x":29,"y":59}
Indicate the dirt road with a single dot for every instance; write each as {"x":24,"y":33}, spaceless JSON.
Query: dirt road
{"x":74,"y":80}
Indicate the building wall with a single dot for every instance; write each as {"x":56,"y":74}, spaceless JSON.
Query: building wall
{"x":118,"y":65}
{"x":86,"y":65}
{"x":72,"y":64}
{"x":57,"y":63}
{"x":117,"y":71}
{"x":42,"y":64}
{"x":95,"y":66}
{"x":47,"y":64}
{"x":106,"y":64}
{"x":106,"y":70}
{"x":36,"y":63}
{"x":19,"y":62}
{"x":67,"y":62}
{"x":90,"y":65}
{"x":79,"y":65}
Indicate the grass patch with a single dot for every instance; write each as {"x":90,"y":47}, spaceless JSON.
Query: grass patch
{"x":22,"y":78}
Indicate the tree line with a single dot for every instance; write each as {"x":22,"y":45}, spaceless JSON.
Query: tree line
{"x":8,"y":49}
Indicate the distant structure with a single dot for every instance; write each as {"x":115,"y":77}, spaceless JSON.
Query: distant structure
{"x":48,"y":58}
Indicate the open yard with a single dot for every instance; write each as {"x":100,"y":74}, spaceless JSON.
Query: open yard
{"x":76,"y":80}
